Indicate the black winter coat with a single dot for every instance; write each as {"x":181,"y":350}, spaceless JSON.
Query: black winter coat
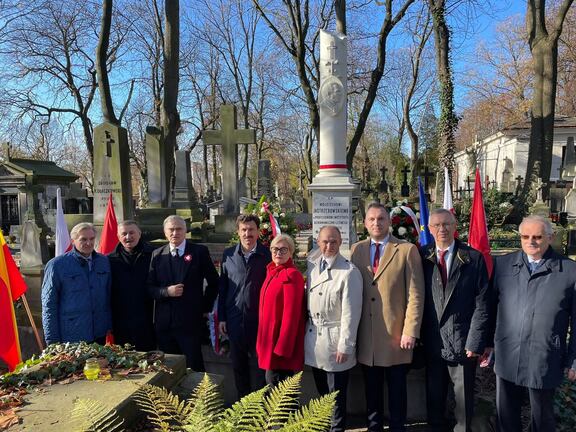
{"x":456,"y":318}
{"x":132,"y":306}
{"x":184,"y":312}
{"x":239,"y":292}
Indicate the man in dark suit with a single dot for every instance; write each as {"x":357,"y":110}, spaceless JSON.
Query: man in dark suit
{"x":132,"y":306}
{"x":243,"y":272}
{"x":456,"y":322}
{"x":536,"y":298}
{"x":176,"y":281}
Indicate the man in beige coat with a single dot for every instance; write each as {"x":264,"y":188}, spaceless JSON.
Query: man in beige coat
{"x":334,"y":293}
{"x":393,"y":303}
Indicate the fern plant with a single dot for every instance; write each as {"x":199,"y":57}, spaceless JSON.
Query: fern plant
{"x":89,"y":415}
{"x":267,"y":409}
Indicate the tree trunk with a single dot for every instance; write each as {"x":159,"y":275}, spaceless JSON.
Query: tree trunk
{"x":448,"y":120}
{"x":101,"y":64}
{"x":340,"y":9}
{"x":170,"y":116}
{"x":544,"y":48}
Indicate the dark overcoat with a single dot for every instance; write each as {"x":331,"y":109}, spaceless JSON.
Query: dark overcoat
{"x":456,"y":318}
{"x":534,"y":313}
{"x":187,"y":310}
{"x":239,"y":292}
{"x":132,"y":305}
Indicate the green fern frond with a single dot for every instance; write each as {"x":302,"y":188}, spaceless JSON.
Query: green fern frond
{"x":247,"y":415}
{"x":205,"y":406}
{"x":282,"y":400}
{"x":164,"y":409}
{"x":92,"y":416}
{"x":315,"y":417}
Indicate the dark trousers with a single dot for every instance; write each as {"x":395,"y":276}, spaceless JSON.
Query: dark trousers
{"x":240,"y":354}
{"x":274,"y":376}
{"x":180,"y":341}
{"x":439,"y":374}
{"x":328,"y":382}
{"x":397,"y":395}
{"x":509,"y":397}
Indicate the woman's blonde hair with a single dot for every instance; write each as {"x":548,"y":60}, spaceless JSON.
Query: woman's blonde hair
{"x":287,"y":239}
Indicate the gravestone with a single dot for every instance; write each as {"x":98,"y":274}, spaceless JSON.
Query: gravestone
{"x":507,"y":181}
{"x":570,"y":201}
{"x":539,"y":207}
{"x":569,"y":164}
{"x":264,"y":180}
{"x":184,"y":195}
{"x":111,"y":172}
{"x":405,"y":188}
{"x":229,"y":137}
{"x":31,"y":253}
{"x":158,"y":178}
{"x":332,"y":188}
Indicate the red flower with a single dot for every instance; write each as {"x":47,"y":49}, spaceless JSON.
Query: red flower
{"x":396,"y":220}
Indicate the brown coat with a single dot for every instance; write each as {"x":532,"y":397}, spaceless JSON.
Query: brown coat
{"x":393,"y":302}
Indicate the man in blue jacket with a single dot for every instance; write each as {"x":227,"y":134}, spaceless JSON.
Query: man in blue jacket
{"x":242,"y":274}
{"x":535,"y":291}
{"x":76,"y":292}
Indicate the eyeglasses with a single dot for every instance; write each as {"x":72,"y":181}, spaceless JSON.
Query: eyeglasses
{"x":534,"y":237}
{"x":445,"y":225}
{"x":279,"y":251}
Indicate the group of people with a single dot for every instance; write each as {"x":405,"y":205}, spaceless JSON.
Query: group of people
{"x":372,"y":309}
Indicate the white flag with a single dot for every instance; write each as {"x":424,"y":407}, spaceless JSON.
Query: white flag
{"x":448,"y":205}
{"x":63,"y":242}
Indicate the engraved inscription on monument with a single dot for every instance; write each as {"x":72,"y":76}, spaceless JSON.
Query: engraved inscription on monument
{"x":332,"y":208}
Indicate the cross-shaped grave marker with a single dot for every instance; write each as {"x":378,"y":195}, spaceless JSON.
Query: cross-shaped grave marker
{"x":229,"y":137}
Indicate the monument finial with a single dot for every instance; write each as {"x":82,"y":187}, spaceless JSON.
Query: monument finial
{"x":7,"y":150}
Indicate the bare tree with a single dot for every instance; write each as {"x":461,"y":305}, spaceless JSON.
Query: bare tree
{"x":170,"y":115}
{"x":543,"y":36}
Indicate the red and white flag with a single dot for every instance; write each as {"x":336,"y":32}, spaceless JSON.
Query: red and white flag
{"x":63,"y":243}
{"x":109,"y":238}
{"x":478,"y":234}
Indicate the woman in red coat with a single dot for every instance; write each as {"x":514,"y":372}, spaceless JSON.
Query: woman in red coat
{"x":280,"y":342}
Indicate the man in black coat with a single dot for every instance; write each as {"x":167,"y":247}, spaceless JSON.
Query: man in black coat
{"x":176,"y":281}
{"x":242,"y":273}
{"x":456,"y":323}
{"x":536,"y":305}
{"x":132,"y":306}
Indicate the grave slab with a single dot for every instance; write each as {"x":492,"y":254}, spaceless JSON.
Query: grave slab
{"x":49,"y":408}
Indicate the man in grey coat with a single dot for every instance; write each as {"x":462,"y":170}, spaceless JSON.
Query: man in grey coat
{"x":334,"y":292}
{"x":536,"y":303}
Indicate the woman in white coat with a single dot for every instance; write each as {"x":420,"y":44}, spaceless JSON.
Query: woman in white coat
{"x":334,"y":291}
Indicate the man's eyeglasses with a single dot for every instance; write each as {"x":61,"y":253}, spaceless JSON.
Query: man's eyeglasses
{"x":534,"y":237}
{"x":279,"y":251}
{"x":445,"y":225}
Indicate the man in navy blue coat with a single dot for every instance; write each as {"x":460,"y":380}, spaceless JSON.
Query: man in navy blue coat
{"x":242,"y":273}
{"x":535,"y":291}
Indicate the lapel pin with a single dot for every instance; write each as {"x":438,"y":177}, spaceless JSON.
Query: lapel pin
{"x":188,"y":258}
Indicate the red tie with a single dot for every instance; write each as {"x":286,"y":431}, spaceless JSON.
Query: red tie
{"x":376,"y":258}
{"x":442,"y":266}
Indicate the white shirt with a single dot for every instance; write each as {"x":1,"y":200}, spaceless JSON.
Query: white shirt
{"x":181,"y":248}
{"x":447,"y":257}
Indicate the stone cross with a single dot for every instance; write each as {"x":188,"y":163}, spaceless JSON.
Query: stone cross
{"x":427,"y":174}
{"x":229,"y":137}
{"x":383,"y":183}
{"x":405,"y":189}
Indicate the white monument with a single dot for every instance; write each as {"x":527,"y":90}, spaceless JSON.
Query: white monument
{"x":332,"y":188}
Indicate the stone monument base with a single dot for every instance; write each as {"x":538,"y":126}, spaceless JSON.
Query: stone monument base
{"x":49,"y":410}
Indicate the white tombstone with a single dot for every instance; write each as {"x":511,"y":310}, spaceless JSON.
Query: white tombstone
{"x":332,"y":188}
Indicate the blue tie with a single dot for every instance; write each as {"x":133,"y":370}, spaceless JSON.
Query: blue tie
{"x":323,"y":265}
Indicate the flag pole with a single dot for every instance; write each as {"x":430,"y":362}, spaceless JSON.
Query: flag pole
{"x":32,"y":323}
